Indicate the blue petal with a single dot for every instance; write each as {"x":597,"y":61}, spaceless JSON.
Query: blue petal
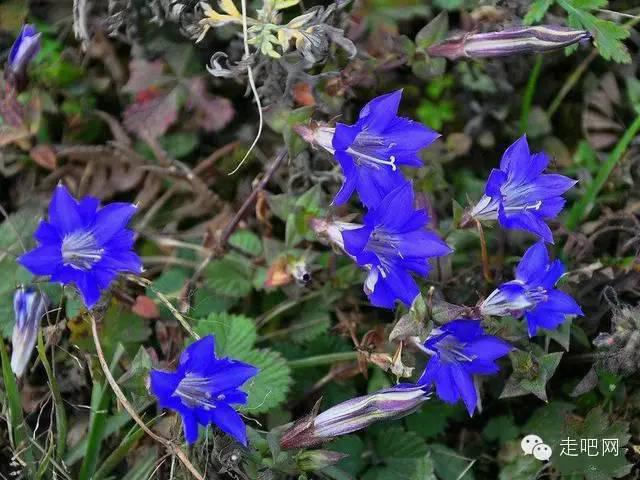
{"x":430,"y":370}
{"x":488,"y":347}
{"x":120,"y":261}
{"x":482,"y":367}
{"x":382,"y":296}
{"x":398,"y":284}
{"x":543,"y":318}
{"x":234,"y":396}
{"x":112,"y":219}
{"x":355,"y":240}
{"x":42,"y":260}
{"x":228,"y":420}
{"x":463,"y":330}
{"x":562,"y":302}
{"x":551,"y":207}
{"x":406,"y":137}
{"x":526,"y":221}
{"x":63,"y":211}
{"x":533,"y":265}
{"x":350,"y":172}
{"x":47,"y":234}
{"x":190,"y":426}
{"x":516,"y":160}
{"x":163,"y":386}
{"x":89,"y":289}
{"x":465,"y":386}
{"x":226,"y":373}
{"x":87,"y":209}
{"x":343,"y":136}
{"x":554,"y":272}
{"x":496,"y":179}
{"x":380,"y":112}
{"x":549,"y":186}
{"x":422,"y":243}
{"x":374,"y":184}
{"x":395,"y":209}
{"x":200,"y":353}
{"x":445,"y":385}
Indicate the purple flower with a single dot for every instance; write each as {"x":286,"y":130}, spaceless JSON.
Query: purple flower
{"x":355,"y":414}
{"x":532,"y":293}
{"x":371,"y":150}
{"x":23,"y":51}
{"x":392,"y":243}
{"x":29,"y":306}
{"x":203,"y":388}
{"x":519,"y":195}
{"x":459,"y":350}
{"x":84,"y":244}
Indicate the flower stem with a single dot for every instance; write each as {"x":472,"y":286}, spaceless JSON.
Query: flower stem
{"x":486,"y":270}
{"x":586,"y":202}
{"x":529,"y":92}
{"x":319,"y":360}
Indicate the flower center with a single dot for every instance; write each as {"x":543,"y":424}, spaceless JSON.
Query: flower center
{"x":80,"y":250}
{"x":385,"y":246}
{"x":196,"y":391}
{"x":451,"y":350}
{"x":368,"y":149}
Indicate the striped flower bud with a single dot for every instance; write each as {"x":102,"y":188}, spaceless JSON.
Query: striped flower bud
{"x":510,"y":41}
{"x":355,"y":414}
{"x":29,"y":306}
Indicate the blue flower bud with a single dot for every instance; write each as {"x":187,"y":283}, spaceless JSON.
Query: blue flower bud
{"x":23,"y":51}
{"x":29,"y":306}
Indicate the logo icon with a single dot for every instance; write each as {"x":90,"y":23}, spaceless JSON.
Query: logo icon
{"x":534,"y":445}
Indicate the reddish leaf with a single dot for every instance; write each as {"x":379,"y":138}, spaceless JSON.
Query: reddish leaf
{"x":153,"y":115}
{"x":145,"y":74}
{"x":44,"y":156}
{"x":145,"y":307}
{"x":213,"y":113}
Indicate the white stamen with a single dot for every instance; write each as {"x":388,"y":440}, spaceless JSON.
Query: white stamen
{"x":80,"y":250}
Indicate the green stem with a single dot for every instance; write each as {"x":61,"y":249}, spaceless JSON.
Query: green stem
{"x":529,"y":92}
{"x":583,"y":206}
{"x":319,"y":360}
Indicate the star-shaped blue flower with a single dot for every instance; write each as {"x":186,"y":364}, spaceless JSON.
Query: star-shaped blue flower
{"x":459,"y":350}
{"x":519,"y":195}
{"x":203,"y":388}
{"x":532,"y":293}
{"x":371,"y":150}
{"x":84,"y":244}
{"x":392,"y":243}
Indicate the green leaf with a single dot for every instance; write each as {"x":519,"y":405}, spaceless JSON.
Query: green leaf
{"x":314,"y":320}
{"x":404,"y":456}
{"x":633,"y":92}
{"x":432,"y":419}
{"x":530,"y":374}
{"x":607,"y":35}
{"x":433,"y":31}
{"x":270,"y":386}
{"x":450,"y":465}
{"x":247,"y":242}
{"x":230,"y":276}
{"x":537,"y":10}
{"x":352,"y":445}
{"x":501,"y":429}
{"x":235,"y":334}
{"x":602,"y":466}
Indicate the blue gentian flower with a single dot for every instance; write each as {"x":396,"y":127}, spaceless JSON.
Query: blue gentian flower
{"x":23,"y":51}
{"x":29,"y":306}
{"x":84,"y":244}
{"x":371,"y":150}
{"x":203,"y":388}
{"x":392,"y":243}
{"x":532,"y":293}
{"x":459,"y":350}
{"x":519,"y":195}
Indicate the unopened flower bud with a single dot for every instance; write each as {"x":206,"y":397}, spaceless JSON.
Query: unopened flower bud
{"x":29,"y":306}
{"x":23,"y":51}
{"x":510,"y":41}
{"x":312,"y":460}
{"x":317,"y":134}
{"x":355,"y":414}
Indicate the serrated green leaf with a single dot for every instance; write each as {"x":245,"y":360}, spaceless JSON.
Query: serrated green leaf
{"x":432,"y":418}
{"x":537,"y":10}
{"x":270,"y":386}
{"x":354,"y":447}
{"x":404,"y":456}
{"x":231,"y":276}
{"x":607,"y":35}
{"x":235,"y":334}
{"x":313,"y":320}
{"x":450,"y":465}
{"x":247,"y":242}
{"x":501,"y":429}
